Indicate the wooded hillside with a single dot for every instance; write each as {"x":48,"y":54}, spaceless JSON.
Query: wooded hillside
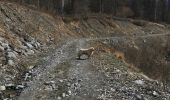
{"x":155,"y":10}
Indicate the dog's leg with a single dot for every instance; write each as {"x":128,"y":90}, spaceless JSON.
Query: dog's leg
{"x":79,"y":56}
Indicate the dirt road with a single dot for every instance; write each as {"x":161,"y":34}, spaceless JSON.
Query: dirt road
{"x":101,"y":77}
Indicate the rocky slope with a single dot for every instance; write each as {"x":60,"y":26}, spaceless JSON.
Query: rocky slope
{"x":33,"y":44}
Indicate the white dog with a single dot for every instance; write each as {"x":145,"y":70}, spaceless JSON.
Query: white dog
{"x":88,"y":52}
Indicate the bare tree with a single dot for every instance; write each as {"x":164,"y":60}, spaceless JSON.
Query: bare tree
{"x":62,"y":6}
{"x":38,"y":4}
{"x":101,"y":6}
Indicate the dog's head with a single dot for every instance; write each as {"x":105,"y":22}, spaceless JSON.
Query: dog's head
{"x":92,"y":48}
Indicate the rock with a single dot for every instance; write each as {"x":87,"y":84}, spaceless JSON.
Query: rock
{"x":49,"y":83}
{"x":7,"y":19}
{"x":27,"y":76}
{"x":58,"y":98}
{"x":19,"y":51}
{"x":5,"y":45}
{"x":61,"y":81}
{"x":24,"y":47}
{"x":53,"y":86}
{"x":79,"y":80}
{"x":6,"y":99}
{"x":2,"y":48}
{"x":48,"y":88}
{"x":139,"y":82}
{"x":31,"y":67}
{"x":2,"y":88}
{"x":11,"y":55}
{"x":64,"y":95}
{"x":10,"y":86}
{"x":24,"y":53}
{"x":83,"y":57}
{"x":20,"y":29}
{"x":30,"y":52}
{"x":138,"y":97}
{"x":29,"y":45}
{"x":36,"y":44}
{"x":11,"y":62}
{"x":1,"y":39}
{"x":68,"y":84}
{"x":117,"y":71}
{"x":155,"y":93}
{"x":113,"y":90}
{"x":144,"y":41}
{"x":20,"y":87}
{"x":1,"y":96}
{"x":69,"y":92}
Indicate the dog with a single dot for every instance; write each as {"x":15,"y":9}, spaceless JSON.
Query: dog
{"x":88,"y":52}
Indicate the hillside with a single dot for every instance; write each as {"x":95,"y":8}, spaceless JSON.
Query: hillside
{"x":38,"y":57}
